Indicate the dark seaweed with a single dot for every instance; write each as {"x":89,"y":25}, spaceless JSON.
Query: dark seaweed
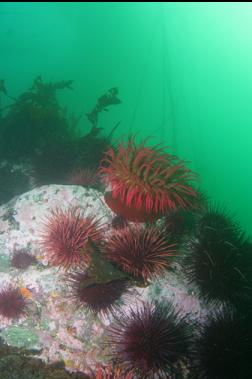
{"x":32,"y":120}
{"x":13,"y":182}
{"x":37,"y":129}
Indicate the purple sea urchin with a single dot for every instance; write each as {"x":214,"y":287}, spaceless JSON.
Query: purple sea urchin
{"x":222,"y":269}
{"x":13,"y":304}
{"x":149,"y":341}
{"x":97,"y":297}
{"x":217,"y":224}
{"x":21,"y":259}
{"x":223,"y":347}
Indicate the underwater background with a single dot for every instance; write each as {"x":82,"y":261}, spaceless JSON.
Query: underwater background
{"x":125,"y":190}
{"x":183,"y":72}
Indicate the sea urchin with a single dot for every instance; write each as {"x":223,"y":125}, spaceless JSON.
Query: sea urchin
{"x":96,"y":297}
{"x":13,"y":304}
{"x":66,"y":236}
{"x":216,"y":223}
{"x":149,"y":341}
{"x":223,"y":346}
{"x":142,"y":252}
{"x":109,"y":372}
{"x":220,"y":261}
{"x":21,"y":259}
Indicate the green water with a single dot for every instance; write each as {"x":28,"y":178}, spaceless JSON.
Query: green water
{"x":183,"y":72}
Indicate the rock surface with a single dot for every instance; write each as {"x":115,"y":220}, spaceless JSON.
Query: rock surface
{"x":54,"y":325}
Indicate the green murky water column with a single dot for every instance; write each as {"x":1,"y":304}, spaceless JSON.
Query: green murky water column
{"x":184,"y":73}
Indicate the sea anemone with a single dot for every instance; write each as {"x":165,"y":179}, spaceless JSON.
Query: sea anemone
{"x":84,"y":177}
{"x":144,"y":253}
{"x":147,"y":179}
{"x":129,"y":213}
{"x":149,"y":341}
{"x":21,"y":259}
{"x":66,"y":237}
{"x":223,"y":347}
{"x":222,"y":269}
{"x":96,"y":297}
{"x":13,"y":304}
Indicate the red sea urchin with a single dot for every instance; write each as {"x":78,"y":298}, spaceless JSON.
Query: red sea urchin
{"x":112,"y":373}
{"x":146,"y":179}
{"x":139,"y":251}
{"x":149,"y":341}
{"x":66,"y":236}
{"x":13,"y":304}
